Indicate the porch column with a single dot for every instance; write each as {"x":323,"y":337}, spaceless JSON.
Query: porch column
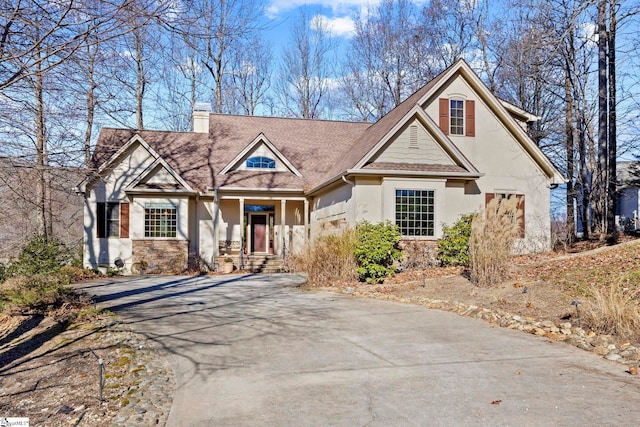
{"x":283,"y":218}
{"x":241,"y":201}
{"x":306,"y":220}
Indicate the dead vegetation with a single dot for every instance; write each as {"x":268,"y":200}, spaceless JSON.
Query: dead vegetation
{"x":605,"y":280}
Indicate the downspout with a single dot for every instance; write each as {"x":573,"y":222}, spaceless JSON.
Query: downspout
{"x":351,"y":183}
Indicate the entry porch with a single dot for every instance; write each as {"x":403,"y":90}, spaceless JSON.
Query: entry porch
{"x":262,"y":225}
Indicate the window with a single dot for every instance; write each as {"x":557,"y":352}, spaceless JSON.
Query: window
{"x":457,"y":117}
{"x":261,"y":163}
{"x":160,"y":220}
{"x":112,"y":219}
{"x":415,"y":212}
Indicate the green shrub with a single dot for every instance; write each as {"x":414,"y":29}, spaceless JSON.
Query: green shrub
{"x":376,"y":250}
{"x":37,"y":292}
{"x":40,"y":255}
{"x":453,"y":247}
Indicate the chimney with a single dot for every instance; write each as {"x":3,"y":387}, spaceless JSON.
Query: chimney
{"x":201,"y":111}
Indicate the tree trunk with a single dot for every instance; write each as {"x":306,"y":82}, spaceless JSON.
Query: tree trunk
{"x":140,"y":82}
{"x":90,"y":107}
{"x":612,"y":146}
{"x":602,"y":177}
{"x":41,"y":184}
{"x":569,"y":134}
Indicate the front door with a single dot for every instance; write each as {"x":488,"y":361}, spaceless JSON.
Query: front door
{"x":258,"y":233}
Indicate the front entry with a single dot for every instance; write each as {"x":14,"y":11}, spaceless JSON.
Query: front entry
{"x":259,"y":233}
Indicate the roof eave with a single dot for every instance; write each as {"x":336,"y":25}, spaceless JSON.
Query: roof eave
{"x":467,"y":176}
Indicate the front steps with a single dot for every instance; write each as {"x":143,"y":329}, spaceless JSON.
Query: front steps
{"x":257,"y":263}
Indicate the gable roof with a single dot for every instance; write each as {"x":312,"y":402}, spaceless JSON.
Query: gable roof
{"x":260,"y":139}
{"x":317,"y":152}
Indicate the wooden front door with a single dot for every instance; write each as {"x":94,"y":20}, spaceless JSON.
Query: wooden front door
{"x":258,"y":233}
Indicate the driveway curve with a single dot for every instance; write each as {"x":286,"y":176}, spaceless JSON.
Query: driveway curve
{"x":255,"y":350}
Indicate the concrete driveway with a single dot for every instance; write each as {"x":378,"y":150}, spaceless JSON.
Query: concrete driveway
{"x":254,"y":350}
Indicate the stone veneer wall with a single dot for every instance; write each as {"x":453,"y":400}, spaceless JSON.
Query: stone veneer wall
{"x":161,"y":256}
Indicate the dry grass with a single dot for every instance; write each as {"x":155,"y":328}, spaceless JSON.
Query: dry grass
{"x":614,"y":310}
{"x":493,"y":234}
{"x":329,"y":259}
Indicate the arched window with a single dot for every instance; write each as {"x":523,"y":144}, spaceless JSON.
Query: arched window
{"x":261,"y":163}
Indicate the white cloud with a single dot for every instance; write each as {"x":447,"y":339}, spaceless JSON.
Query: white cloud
{"x":277,"y":7}
{"x":341,"y":26}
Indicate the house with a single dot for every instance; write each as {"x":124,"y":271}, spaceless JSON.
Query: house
{"x":245,"y":185}
{"x":627,"y":197}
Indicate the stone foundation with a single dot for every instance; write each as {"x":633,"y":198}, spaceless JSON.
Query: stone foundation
{"x":160,"y":256}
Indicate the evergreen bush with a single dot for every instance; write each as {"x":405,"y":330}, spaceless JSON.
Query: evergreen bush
{"x":376,"y":250}
{"x":453,"y":247}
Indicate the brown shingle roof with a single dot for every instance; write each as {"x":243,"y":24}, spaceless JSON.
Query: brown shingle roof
{"x":318,"y":149}
{"x":415,"y":167}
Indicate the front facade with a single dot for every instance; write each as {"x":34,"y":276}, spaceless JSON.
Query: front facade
{"x":244,"y":185}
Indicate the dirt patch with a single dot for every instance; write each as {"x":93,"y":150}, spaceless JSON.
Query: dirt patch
{"x":49,"y":369}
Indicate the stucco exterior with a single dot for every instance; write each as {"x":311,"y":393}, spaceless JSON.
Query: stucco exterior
{"x":320,"y":177}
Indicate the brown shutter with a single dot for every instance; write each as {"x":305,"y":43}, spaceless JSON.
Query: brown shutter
{"x":471,"y":118}
{"x":101,"y":223}
{"x":488,"y":197}
{"x":124,"y":220}
{"x":520,"y":211}
{"x":444,"y":115}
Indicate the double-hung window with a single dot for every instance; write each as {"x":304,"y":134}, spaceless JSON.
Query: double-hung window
{"x":160,"y":220}
{"x":415,"y":212}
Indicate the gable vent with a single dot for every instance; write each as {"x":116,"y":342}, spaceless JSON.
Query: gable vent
{"x":413,"y":136}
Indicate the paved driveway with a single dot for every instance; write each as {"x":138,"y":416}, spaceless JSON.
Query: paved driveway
{"x":254,"y":350}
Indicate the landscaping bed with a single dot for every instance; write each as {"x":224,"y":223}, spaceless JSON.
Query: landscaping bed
{"x":539,"y":297}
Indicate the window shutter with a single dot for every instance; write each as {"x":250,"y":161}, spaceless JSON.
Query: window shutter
{"x":488,"y":197}
{"x":520,"y":208}
{"x":101,"y":222}
{"x":444,"y":115}
{"x":124,"y":220}
{"x":471,"y":118}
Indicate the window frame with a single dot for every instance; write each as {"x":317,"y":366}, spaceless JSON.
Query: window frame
{"x":262,"y":162}
{"x":421,"y":227}
{"x":459,"y":117}
{"x":160,"y":225}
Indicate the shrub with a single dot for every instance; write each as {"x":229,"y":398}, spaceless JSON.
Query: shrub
{"x":453,"y":247}
{"x":327,"y":260}
{"x":493,"y":233}
{"x":40,"y":255}
{"x":36,"y":292}
{"x":614,"y":310}
{"x":376,"y":250}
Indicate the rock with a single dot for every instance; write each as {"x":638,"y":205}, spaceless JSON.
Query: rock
{"x":565,"y":331}
{"x":517,"y":318}
{"x":539,"y":332}
{"x":554,"y":329}
{"x":613,"y":356}
{"x":601,"y":350}
{"x":611,"y":347}
{"x":140,"y":410}
{"x":547,"y":324}
{"x":566,"y":325}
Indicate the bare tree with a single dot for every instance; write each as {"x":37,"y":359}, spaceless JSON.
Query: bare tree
{"x":251,"y":73}
{"x":306,"y":67}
